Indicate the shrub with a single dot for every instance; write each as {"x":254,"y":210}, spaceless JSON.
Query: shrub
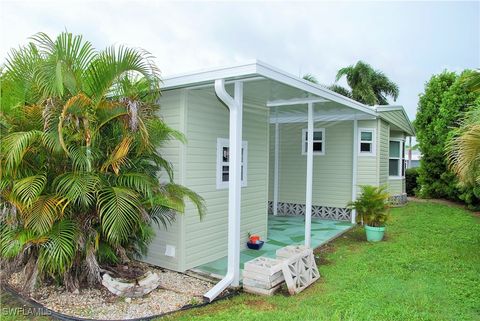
{"x":411,"y":176}
{"x":372,"y":205}
{"x":439,"y":112}
{"x":80,"y":160}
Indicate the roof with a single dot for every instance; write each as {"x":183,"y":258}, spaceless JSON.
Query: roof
{"x":283,"y":87}
{"x":396,"y":115}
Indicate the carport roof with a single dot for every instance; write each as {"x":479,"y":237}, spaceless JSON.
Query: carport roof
{"x":284,"y":89}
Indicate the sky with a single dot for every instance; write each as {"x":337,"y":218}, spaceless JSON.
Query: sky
{"x":408,"y":41}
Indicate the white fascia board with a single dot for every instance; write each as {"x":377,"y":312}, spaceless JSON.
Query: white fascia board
{"x":387,"y":108}
{"x":296,"y":101}
{"x":273,"y":73}
{"x":287,"y":119}
{"x":258,"y":68}
{"x":246,"y":70}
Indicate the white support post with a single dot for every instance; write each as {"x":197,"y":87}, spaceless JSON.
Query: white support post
{"x":354,"y":167}
{"x":235,"y":178}
{"x":309,"y":177}
{"x":410,"y":152}
{"x":275,"y":173}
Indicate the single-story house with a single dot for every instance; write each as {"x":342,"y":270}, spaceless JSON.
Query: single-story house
{"x":261,"y":141}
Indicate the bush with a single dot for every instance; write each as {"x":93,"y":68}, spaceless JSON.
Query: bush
{"x":79,"y":160}
{"x":411,"y":184}
{"x":439,"y":112}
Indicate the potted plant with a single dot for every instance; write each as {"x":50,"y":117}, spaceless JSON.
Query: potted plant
{"x":372,"y":211}
{"x":254,"y":242}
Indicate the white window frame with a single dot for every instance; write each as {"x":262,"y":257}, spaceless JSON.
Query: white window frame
{"x":373,"y":152}
{"x":304,"y":141}
{"x":401,"y":158}
{"x":224,"y":142}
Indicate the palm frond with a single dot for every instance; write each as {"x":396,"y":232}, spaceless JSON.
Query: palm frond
{"x":119,"y":156}
{"x":139,"y":182}
{"x":77,"y":105}
{"x":28,"y":189}
{"x":67,"y":59}
{"x":57,"y":253}
{"x":114,"y":63}
{"x":175,"y":191}
{"x":463,"y":149}
{"x":340,"y":90}
{"x":43,"y":213}
{"x":162,"y":215}
{"x":79,"y":188}
{"x":16,"y":145}
{"x":13,"y":240}
{"x":311,"y":78}
{"x":118,"y":209}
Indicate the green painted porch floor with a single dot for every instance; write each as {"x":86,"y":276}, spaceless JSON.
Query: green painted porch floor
{"x":282,"y":231}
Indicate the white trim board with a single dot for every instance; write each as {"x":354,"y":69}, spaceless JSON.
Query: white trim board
{"x":256,"y":69}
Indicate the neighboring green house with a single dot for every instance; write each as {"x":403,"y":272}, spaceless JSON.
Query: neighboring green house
{"x":352,"y":144}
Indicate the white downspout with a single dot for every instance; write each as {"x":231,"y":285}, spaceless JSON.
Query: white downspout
{"x":309,"y":177}
{"x":354,"y":166}
{"x":235,"y":105}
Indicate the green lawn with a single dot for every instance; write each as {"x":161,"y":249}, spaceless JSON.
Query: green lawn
{"x":12,"y":310}
{"x":427,"y":269}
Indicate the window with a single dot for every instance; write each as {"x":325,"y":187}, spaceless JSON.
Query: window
{"x":223,"y":163}
{"x":318,"y":141}
{"x":396,"y":161}
{"x":366,"y":142}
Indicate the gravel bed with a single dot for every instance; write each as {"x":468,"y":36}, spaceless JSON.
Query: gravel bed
{"x":175,"y":291}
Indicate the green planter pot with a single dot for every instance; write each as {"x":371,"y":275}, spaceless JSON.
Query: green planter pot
{"x":374,"y":234}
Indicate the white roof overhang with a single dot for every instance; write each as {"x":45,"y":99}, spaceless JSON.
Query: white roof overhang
{"x":381,"y":110}
{"x":285,"y":93}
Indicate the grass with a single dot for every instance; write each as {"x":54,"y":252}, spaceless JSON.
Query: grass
{"x":12,"y":310}
{"x":427,"y":269}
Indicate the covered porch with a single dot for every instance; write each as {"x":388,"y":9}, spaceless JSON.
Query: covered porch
{"x":282,"y":231}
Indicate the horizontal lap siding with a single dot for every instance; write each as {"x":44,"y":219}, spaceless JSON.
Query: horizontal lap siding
{"x":395,"y":186}
{"x":367,"y":170}
{"x":170,"y":112}
{"x":384,"y":151}
{"x":332,"y":179}
{"x":207,"y":120}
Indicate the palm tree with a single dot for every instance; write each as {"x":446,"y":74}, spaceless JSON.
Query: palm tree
{"x":463,"y":149}
{"x":80,"y":163}
{"x":336,"y":88}
{"x":368,"y":86}
{"x":310,"y":78}
{"x":340,"y":90}
{"x":472,"y":81}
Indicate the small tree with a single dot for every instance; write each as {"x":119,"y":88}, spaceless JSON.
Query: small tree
{"x":82,"y":177}
{"x":439,"y":112}
{"x":372,"y":205}
{"x":368,"y":86}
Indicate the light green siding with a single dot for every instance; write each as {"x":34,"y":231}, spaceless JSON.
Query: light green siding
{"x":367,"y":166}
{"x":397,"y":118}
{"x":171,"y":111}
{"x":397,"y":135}
{"x":396,"y":185}
{"x":383,"y":147}
{"x":332,"y":180}
{"x":207,"y":120}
